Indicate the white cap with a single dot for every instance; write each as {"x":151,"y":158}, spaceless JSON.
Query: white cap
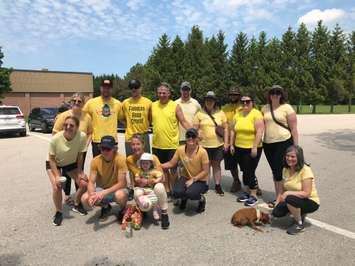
{"x":146,"y":157}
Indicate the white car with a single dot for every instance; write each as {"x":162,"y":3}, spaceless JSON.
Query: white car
{"x":12,"y":120}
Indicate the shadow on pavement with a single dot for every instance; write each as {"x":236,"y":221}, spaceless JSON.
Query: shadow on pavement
{"x":98,"y":261}
{"x":10,"y":259}
{"x":341,"y":140}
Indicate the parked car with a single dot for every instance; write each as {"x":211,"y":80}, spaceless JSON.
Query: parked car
{"x":42,"y":118}
{"x":12,"y":120}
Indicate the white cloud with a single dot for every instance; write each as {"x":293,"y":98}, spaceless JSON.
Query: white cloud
{"x":328,"y":16}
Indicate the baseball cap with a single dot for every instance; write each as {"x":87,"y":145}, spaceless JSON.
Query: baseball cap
{"x":191,"y":133}
{"x":108,"y":142}
{"x":106,"y":83}
{"x":210,"y":94}
{"x":234,"y":90}
{"x":146,"y":157}
{"x":185,"y":85}
{"x":134,"y":84}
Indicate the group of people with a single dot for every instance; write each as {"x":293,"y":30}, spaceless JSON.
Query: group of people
{"x":188,"y":139}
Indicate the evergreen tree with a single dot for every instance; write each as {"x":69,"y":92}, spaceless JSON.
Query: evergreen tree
{"x":178,"y":55}
{"x":5,"y":85}
{"x":350,"y":67}
{"x":273,"y":58}
{"x":237,"y":67}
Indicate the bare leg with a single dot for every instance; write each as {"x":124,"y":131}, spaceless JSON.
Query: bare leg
{"x":56,"y":192}
{"x":216,"y":170}
{"x":296,"y":212}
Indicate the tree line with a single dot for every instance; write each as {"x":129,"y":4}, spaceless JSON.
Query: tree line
{"x":315,"y":67}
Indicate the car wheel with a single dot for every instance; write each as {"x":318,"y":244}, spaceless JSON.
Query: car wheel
{"x":30,"y":127}
{"x":44,"y":127}
{"x":23,"y":133}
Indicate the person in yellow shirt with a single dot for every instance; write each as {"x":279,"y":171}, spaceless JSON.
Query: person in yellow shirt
{"x":207,"y":121}
{"x":105,"y":111}
{"x":66,"y":150}
{"x":193,"y":159}
{"x":107,"y":180}
{"x":166,"y":116}
{"x":137,"y":115}
{"x":299,"y":195}
{"x":77,"y":103}
{"x":245,"y":142}
{"x":230,"y":161}
{"x":189,"y":107}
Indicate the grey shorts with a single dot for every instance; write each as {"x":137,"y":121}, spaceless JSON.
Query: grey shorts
{"x":215,"y":154}
{"x":128,"y":146}
{"x":110,"y":197}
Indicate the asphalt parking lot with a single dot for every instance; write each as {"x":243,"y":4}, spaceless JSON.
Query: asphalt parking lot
{"x":27,"y":236}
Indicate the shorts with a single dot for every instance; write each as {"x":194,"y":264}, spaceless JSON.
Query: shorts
{"x":110,"y":197}
{"x":230,"y":161}
{"x":128,"y":146}
{"x":163,"y":155}
{"x":64,"y":169}
{"x":215,"y":154}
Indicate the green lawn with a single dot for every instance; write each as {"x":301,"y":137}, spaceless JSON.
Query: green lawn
{"x":325,"y":109}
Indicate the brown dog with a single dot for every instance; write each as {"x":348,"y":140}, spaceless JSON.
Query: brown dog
{"x":251,"y":217}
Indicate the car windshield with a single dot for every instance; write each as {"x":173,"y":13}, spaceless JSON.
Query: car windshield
{"x":9,"y":111}
{"x":50,"y":111}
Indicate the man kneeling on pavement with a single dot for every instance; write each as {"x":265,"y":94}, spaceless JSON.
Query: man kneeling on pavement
{"x":107,"y":180}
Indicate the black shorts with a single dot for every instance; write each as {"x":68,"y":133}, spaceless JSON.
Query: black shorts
{"x":215,"y":154}
{"x":63,"y":169}
{"x":230,"y":161}
{"x":163,"y":155}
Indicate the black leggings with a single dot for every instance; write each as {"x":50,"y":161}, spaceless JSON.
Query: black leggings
{"x":306,"y":206}
{"x":275,"y":153}
{"x":248,"y":166}
{"x":193,"y":192}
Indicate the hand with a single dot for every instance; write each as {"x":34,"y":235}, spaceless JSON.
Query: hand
{"x":284,"y":196}
{"x":151,"y":182}
{"x":92,"y":199}
{"x":143,"y":182}
{"x":189,"y":182}
{"x":225,"y":147}
{"x":254,"y":152}
{"x":57,"y":182}
{"x":232,"y":149}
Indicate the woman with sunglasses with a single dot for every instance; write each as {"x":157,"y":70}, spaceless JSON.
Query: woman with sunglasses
{"x":245,"y":141}
{"x":85,"y":125}
{"x":280,"y":132}
{"x":66,"y":155}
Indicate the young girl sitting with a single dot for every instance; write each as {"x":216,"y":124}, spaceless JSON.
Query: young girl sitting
{"x":149,"y":191}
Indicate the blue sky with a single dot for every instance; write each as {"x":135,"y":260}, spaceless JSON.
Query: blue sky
{"x":107,"y":36}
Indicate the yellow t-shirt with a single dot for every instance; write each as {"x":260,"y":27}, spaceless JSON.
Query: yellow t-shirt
{"x":274,"y":132}
{"x":133,"y":166}
{"x":105,"y":116}
{"x":230,"y":109}
{"x":136,"y":113}
{"x":294,"y":182}
{"x":207,"y":133}
{"x":189,"y":109}
{"x":165,"y":125}
{"x":66,"y":152}
{"x":195,"y":164}
{"x":107,"y":173}
{"x":84,"y":126}
{"x":244,"y":127}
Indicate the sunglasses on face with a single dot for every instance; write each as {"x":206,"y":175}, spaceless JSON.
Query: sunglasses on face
{"x":77,"y":101}
{"x":245,"y":101}
{"x":275,"y":92}
{"x":104,"y":149}
{"x":190,"y":136}
{"x":66,"y":125}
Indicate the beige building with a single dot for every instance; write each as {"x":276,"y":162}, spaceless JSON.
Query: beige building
{"x":43,"y":88}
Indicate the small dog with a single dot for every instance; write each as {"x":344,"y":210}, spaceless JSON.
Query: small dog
{"x":251,"y":217}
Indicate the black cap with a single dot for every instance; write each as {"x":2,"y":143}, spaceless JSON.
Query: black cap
{"x":106,"y":83}
{"x":191,"y":132}
{"x":108,"y":142}
{"x":134,"y":84}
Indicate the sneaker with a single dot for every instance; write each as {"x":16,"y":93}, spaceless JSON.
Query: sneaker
{"x":251,"y":201}
{"x":130,"y":194}
{"x":244,"y":197}
{"x":219,"y":190}
{"x":165,"y":221}
{"x":183,"y":203}
{"x":156,"y":216}
{"x":58,"y":218}
{"x":201,"y":204}
{"x":105,"y":211}
{"x":176,"y":202}
{"x":79,"y":209}
{"x":295,"y":229}
{"x":121,"y":214}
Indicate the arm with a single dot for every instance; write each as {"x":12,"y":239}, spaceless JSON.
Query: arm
{"x":171,"y":164}
{"x":80,"y":163}
{"x":232,"y":140}
{"x":181,"y":118}
{"x":304,"y":193}
{"x":121,"y":183}
{"x":259,"y":127}
{"x":226,"y":136}
{"x":204,"y":173}
{"x":292,"y":123}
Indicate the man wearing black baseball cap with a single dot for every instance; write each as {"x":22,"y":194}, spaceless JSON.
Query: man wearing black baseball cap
{"x":137,"y":114}
{"x":105,"y":112}
{"x":107,"y":180}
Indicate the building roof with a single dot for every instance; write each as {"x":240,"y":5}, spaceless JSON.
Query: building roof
{"x":50,"y":81}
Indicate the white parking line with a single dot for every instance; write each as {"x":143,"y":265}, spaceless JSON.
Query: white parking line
{"x":315,"y":222}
